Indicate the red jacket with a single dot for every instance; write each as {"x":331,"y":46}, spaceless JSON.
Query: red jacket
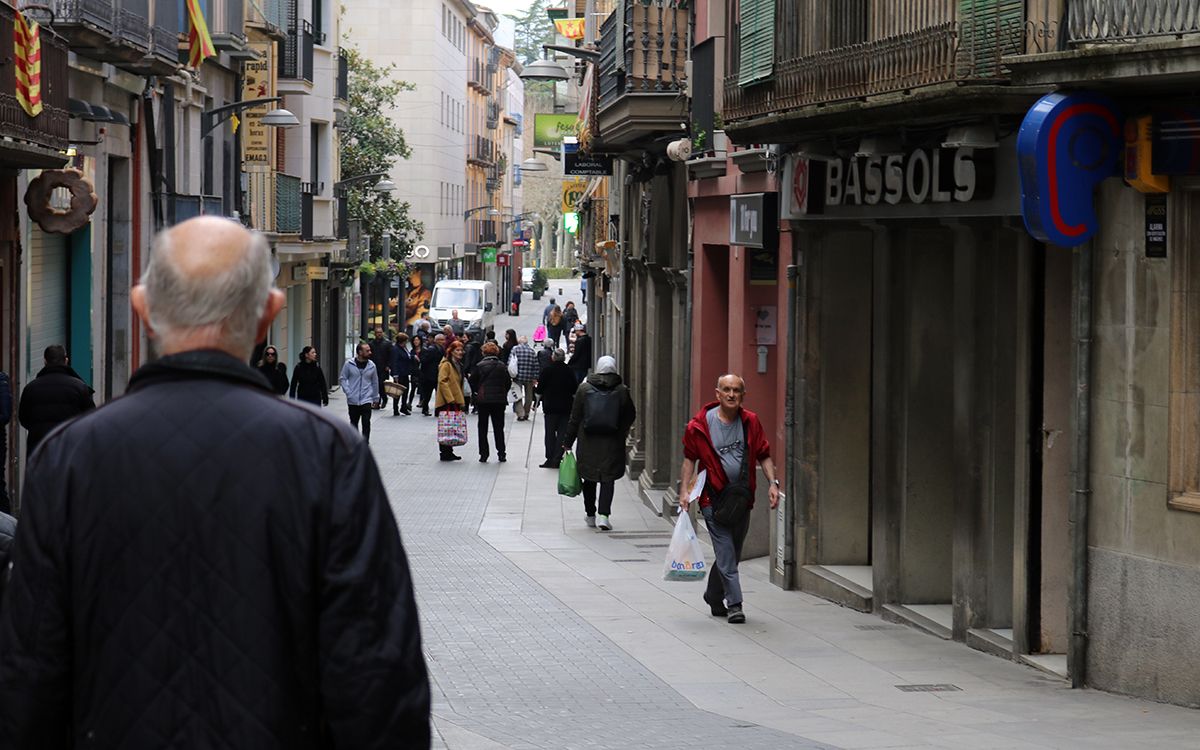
{"x":698,"y":446}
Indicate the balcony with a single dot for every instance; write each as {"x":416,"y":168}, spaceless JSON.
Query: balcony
{"x":296,"y":56}
{"x":131,"y":31}
{"x":34,"y":142}
{"x":493,"y":115}
{"x":484,"y":153}
{"x":479,"y":78}
{"x":343,"y":77}
{"x":85,"y":23}
{"x":921,"y":44}
{"x":288,"y":214}
{"x":1130,"y":20}
{"x":643,"y":52}
{"x":482,"y":232}
{"x":269,"y":17}
{"x":181,"y":207}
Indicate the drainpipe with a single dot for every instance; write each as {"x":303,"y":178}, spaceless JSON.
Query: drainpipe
{"x":794,"y":365}
{"x":1082,"y":314}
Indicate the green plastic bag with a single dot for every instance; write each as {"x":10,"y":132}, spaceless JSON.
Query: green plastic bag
{"x":568,"y":476}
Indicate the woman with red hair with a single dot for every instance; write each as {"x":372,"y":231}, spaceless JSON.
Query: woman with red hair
{"x":450,"y":391}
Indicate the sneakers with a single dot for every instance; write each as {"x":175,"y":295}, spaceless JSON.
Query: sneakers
{"x":717,"y":608}
{"x":736,"y":616}
{"x":591,"y":522}
{"x":604,"y":524}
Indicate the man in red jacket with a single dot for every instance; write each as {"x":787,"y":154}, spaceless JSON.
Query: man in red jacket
{"x":719,"y":438}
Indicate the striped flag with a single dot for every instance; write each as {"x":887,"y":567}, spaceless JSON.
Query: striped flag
{"x":27,"y":49}
{"x":201,"y":43}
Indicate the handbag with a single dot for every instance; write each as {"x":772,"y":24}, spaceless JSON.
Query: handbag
{"x":732,"y":504}
{"x":452,"y":428}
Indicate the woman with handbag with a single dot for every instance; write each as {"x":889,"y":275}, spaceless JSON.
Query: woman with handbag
{"x":601,"y":414}
{"x":490,"y":382}
{"x":308,"y":381}
{"x":450,"y":403}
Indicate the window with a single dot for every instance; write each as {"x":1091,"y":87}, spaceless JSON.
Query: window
{"x":451,"y":297}
{"x":756,"y":35}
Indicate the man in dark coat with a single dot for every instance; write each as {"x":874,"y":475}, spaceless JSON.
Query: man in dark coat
{"x":56,"y":395}
{"x":489,"y":390}
{"x":430,"y":360}
{"x":556,"y":387}
{"x":601,"y":454}
{"x":174,"y":588}
{"x":402,"y":366}
{"x":381,"y":355}
{"x":581,"y":353}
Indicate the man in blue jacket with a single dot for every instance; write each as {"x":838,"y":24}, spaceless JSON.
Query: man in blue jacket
{"x":360,"y":384}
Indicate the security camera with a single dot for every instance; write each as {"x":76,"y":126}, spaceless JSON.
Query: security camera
{"x":680,"y":150}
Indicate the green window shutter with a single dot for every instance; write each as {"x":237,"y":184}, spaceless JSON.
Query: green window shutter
{"x":757,"y":38}
{"x":989,"y":30}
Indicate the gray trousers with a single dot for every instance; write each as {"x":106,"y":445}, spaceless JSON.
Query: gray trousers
{"x":723,"y":582}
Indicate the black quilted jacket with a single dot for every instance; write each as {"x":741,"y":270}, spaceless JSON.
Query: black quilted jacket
{"x":202,"y":565}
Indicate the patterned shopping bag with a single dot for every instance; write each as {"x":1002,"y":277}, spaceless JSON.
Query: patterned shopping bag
{"x":452,"y":428}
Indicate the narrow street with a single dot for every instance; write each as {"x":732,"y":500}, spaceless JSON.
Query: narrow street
{"x":542,"y":633}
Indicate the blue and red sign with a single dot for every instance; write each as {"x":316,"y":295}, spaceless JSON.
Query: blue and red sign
{"x":1068,"y":144}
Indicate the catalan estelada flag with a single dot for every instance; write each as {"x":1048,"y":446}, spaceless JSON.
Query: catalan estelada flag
{"x":201,"y":43}
{"x":571,"y":28}
{"x":27,"y":49}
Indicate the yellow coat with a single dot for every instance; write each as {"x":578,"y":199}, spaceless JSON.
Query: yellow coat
{"x":449,"y":390}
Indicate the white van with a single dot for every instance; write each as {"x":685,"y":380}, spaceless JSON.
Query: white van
{"x":472,"y":299}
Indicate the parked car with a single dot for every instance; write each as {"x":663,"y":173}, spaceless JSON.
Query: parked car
{"x":527,"y":279}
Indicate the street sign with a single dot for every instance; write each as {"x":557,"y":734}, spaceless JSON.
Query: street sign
{"x":548,"y":129}
{"x":502,"y":260}
{"x":520,"y":243}
{"x":572,"y":191}
{"x":584,"y":165}
{"x":318,"y":273}
{"x":487,"y":254}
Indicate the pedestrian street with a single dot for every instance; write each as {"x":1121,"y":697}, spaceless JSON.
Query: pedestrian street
{"x":542,"y":633}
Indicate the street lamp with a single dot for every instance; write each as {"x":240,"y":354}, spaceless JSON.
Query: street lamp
{"x":545,"y":70}
{"x":276,"y":118}
{"x":491,"y":211}
{"x":534,"y":165}
{"x":382,"y":183}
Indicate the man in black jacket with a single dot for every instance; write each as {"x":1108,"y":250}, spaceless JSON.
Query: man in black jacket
{"x":174,"y":584}
{"x":431,"y":358}
{"x":56,"y":395}
{"x":556,"y":385}
{"x":489,"y":387}
{"x":381,"y":355}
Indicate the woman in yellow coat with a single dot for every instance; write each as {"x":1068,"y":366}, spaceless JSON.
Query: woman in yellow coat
{"x":450,"y":391}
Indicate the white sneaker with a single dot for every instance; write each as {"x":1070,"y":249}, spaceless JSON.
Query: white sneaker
{"x":605,"y":524}
{"x":591,"y":521}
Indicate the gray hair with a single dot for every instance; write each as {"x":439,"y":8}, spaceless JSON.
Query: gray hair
{"x":229,"y":303}
{"x":741,"y":381}
{"x":558,"y":355}
{"x":523,"y":340}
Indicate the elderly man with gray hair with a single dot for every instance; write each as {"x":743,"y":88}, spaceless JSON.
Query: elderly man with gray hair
{"x":200,"y":563}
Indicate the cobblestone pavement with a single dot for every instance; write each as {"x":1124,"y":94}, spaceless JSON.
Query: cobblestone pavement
{"x":542,"y":633}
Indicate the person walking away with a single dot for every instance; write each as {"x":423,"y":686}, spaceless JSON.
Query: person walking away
{"x":273,"y":370}
{"x":723,"y":438}
{"x":6,"y":412}
{"x":414,"y":374}
{"x":570,"y":316}
{"x":431,"y":359}
{"x":450,"y":392}
{"x":489,"y":384}
{"x":553,"y":303}
{"x":523,"y":362}
{"x":554,"y":325}
{"x":510,"y":342}
{"x":308,"y":379}
{"x":401,"y":367}
{"x":556,"y":386}
{"x":581,"y":353}
{"x":381,"y":356}
{"x":601,"y":414}
{"x":516,"y":302}
{"x":360,"y":384}
{"x":55,"y":396}
{"x":171,"y":586}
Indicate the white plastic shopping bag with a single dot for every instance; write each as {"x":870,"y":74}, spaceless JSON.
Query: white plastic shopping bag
{"x":685,"y":558}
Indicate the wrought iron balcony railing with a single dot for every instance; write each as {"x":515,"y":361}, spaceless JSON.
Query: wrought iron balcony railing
{"x":1124,"y":20}
{"x":296,"y":59}
{"x":288,"y":205}
{"x":49,"y":131}
{"x":651,"y":55}
{"x":343,"y":77}
{"x":869,"y":52}
{"x":132,"y":25}
{"x":97,"y":14}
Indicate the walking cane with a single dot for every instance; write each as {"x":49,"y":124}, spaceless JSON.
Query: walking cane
{"x":532,"y":421}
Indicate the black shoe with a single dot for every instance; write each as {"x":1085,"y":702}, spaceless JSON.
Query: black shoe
{"x":406,"y":411}
{"x":502,"y":458}
{"x":718,"y":609}
{"x":546,"y":465}
{"x":426,"y":413}
{"x":447,"y":458}
{"x":483,"y":459}
{"x":736,"y":616}
{"x":455,"y":457}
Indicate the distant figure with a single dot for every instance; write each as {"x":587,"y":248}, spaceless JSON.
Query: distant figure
{"x":308,"y":380}
{"x":402,"y":367}
{"x":601,"y":414}
{"x":489,"y":387}
{"x":546,"y":311}
{"x":273,"y":370}
{"x":55,"y":396}
{"x":516,"y":301}
{"x":570,"y":316}
{"x":556,"y":386}
{"x":381,"y":355}
{"x":581,"y":353}
{"x":360,"y":385}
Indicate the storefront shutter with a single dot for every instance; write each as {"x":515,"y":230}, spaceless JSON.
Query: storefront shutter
{"x":990,"y":29}
{"x":48,"y":301}
{"x":757,"y":39}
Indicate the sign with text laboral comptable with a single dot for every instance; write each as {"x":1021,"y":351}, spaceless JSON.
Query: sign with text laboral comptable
{"x":548,"y":130}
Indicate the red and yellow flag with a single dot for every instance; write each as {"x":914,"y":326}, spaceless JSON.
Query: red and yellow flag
{"x":198,"y":38}
{"x":571,"y":28}
{"x":27,"y":49}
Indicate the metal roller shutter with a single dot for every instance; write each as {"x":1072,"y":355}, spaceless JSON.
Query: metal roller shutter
{"x":48,"y":293}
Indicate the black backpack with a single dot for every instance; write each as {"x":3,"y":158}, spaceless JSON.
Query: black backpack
{"x":602,"y":412}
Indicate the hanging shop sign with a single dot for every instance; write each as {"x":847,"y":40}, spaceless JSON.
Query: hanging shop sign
{"x":549,"y":129}
{"x":1156,"y":226}
{"x":1067,"y":145}
{"x":753,"y":220}
{"x":584,"y":165}
{"x":503,"y":259}
{"x":572,"y":193}
{"x":487,"y":254}
{"x":257,"y":84}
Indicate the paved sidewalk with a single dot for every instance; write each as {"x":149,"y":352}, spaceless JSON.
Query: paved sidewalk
{"x":543,"y":633}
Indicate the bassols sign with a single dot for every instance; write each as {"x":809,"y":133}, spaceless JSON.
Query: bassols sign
{"x":935,"y":175}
